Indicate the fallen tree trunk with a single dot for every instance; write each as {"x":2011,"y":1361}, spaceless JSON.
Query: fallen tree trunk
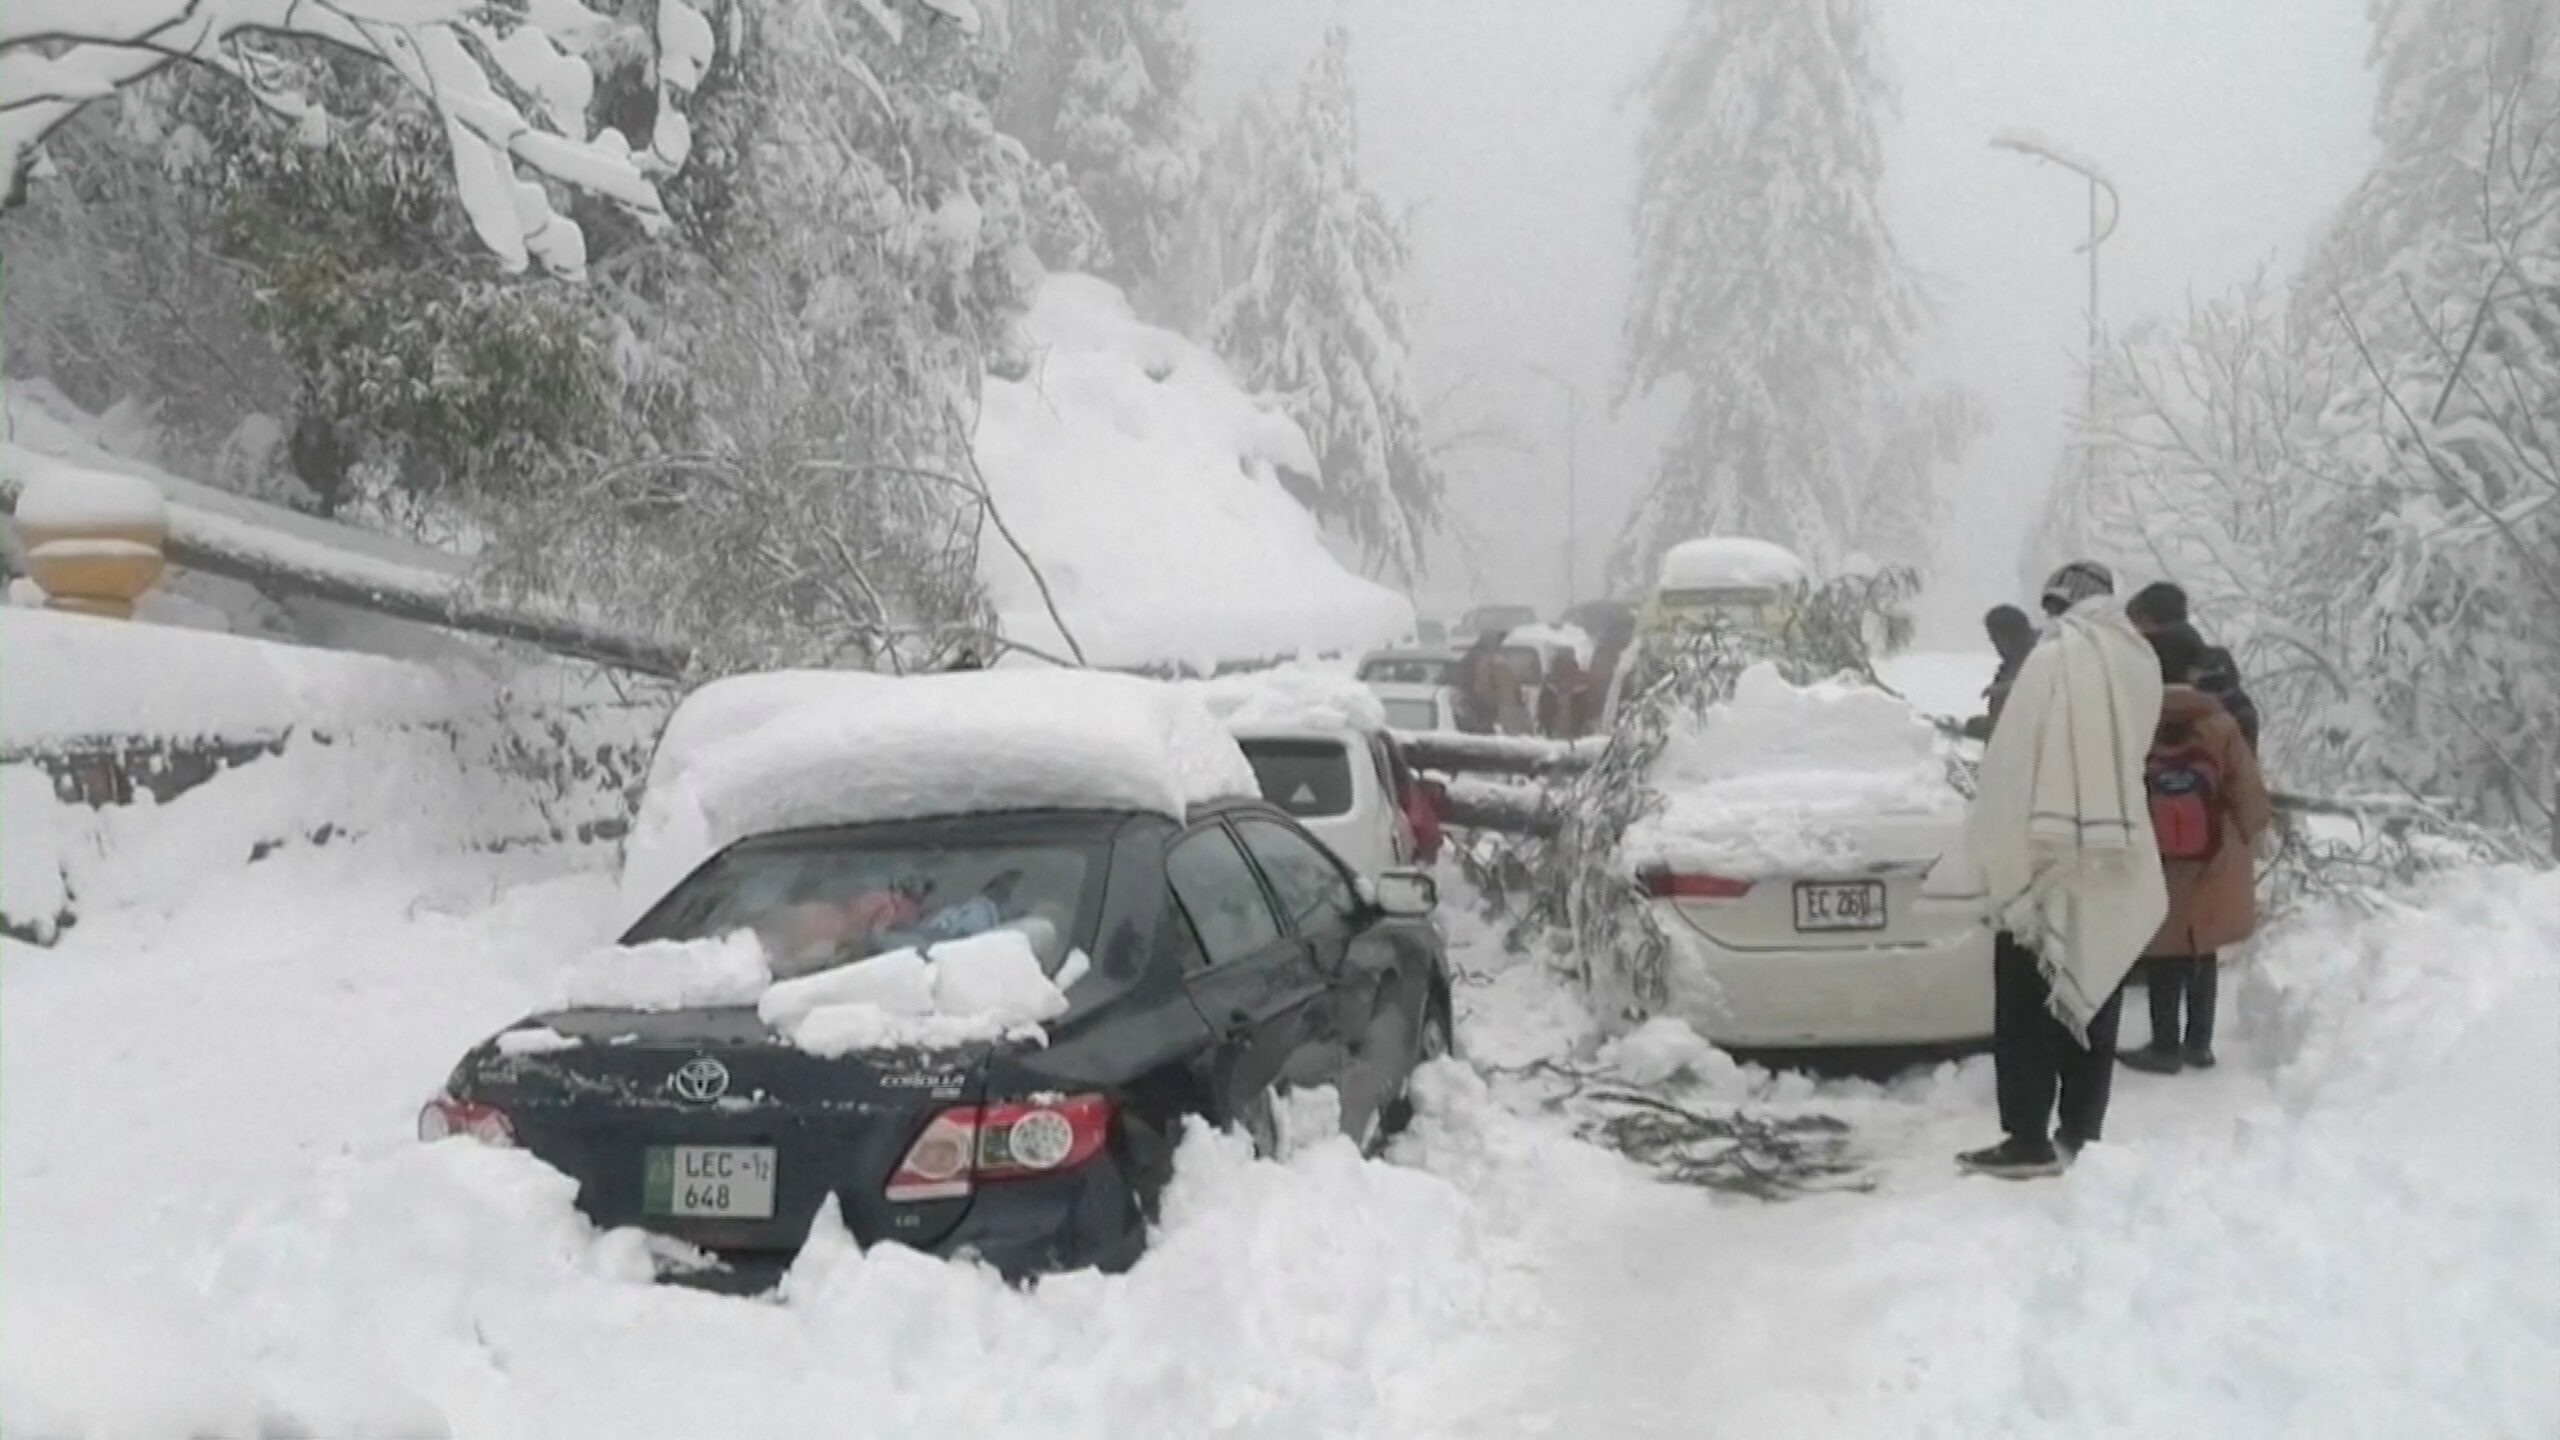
{"x":1495,"y":805}
{"x":428,"y":603}
{"x":1450,"y":751}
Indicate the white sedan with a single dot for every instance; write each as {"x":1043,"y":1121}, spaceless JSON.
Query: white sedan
{"x":1851,"y":957}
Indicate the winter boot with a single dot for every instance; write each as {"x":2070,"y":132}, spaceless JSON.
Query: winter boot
{"x":2199,"y":1057}
{"x":2155,"y":1059}
{"x":2015,"y":1159}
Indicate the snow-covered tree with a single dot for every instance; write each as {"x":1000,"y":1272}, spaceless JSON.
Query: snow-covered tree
{"x":1101,"y":88}
{"x":1768,"y":287}
{"x":799,"y":487}
{"x":1310,"y":312}
{"x":2359,"y":477}
{"x":511,"y":92}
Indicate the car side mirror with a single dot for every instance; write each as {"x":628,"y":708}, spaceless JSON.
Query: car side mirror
{"x":1409,"y":894}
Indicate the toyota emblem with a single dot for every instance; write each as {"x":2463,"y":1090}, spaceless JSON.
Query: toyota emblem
{"x":700,"y":1080}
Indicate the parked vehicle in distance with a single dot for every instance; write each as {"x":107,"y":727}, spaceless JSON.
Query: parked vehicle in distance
{"x":1409,"y":667}
{"x":1431,"y":632}
{"x":1417,"y":707}
{"x":1491,"y":620}
{"x":1611,"y":624}
{"x":1739,"y":585}
{"x":1731,"y":580}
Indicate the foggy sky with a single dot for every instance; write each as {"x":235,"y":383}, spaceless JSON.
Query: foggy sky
{"x":1506,"y":129}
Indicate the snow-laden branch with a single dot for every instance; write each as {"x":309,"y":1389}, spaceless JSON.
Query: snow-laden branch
{"x":480,"y":67}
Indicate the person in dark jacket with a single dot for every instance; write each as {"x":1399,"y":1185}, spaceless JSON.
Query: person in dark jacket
{"x":2163,"y":604}
{"x":2213,"y":896}
{"x":2012,"y":636}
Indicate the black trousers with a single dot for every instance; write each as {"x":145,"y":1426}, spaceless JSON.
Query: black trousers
{"x":2035,"y":1058}
{"x":2195,"y":981}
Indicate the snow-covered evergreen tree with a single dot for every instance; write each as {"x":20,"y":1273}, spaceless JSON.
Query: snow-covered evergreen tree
{"x":1768,"y":286}
{"x":1102,"y":89}
{"x":1312,"y":314}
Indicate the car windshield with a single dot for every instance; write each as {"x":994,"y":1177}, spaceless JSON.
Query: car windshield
{"x":830,"y":901}
{"x":1310,"y":779}
{"x":1525,"y":662}
{"x":1407,"y":669}
{"x":1411,"y":714}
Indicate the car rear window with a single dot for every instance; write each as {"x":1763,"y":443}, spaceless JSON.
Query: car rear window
{"x":1310,"y":779}
{"x":1526,"y":662}
{"x":830,"y":901}
{"x":1407,"y":670}
{"x":1411,"y":714}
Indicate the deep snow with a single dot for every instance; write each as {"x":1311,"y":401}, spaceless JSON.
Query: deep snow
{"x":216,"y":1219}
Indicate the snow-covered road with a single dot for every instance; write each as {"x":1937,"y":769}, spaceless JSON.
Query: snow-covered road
{"x":216,"y":1223}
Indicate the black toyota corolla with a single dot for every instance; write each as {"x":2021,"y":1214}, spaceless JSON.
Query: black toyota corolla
{"x":1208,"y":965}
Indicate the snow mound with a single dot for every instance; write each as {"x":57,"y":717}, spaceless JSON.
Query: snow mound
{"x":1730,"y":562}
{"x":1790,"y":780}
{"x":1290,"y":698}
{"x":670,"y":975}
{"x":1664,"y":1049}
{"x":810,"y":750}
{"x":74,"y":677}
{"x":1146,"y":483}
{"x":954,"y":992}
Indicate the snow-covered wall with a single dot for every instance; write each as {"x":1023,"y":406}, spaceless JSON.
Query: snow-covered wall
{"x":139,"y":761}
{"x":1144,"y":482}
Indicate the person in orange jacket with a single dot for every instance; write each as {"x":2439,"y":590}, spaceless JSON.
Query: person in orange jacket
{"x":2208,"y":807}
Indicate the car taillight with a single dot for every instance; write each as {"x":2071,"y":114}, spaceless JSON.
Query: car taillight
{"x":1012,"y":1141}
{"x":1692,"y":885}
{"x":445,"y":1117}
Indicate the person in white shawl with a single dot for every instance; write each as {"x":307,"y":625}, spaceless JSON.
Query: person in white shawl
{"x":2059,"y":849}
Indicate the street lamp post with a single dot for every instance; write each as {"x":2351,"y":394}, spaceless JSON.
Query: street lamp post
{"x":1572,"y":482}
{"x":2040,"y":148}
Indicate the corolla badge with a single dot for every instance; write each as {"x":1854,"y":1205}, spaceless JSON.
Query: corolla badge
{"x":700,"y":1079}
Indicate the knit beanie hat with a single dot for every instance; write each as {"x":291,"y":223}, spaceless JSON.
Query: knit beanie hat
{"x":2078,"y":581}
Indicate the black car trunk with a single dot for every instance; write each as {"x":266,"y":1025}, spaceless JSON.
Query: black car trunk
{"x":703,"y":1125}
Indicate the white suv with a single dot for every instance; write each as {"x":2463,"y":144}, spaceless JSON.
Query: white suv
{"x":1339,"y":784}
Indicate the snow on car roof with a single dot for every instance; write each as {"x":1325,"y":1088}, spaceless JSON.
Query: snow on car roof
{"x":759,"y":754}
{"x":1730,"y":560}
{"x":1290,"y":700}
{"x":1797,"y":779}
